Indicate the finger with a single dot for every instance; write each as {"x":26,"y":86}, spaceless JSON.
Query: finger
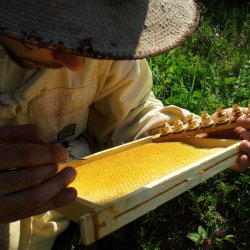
{"x":239,"y":131}
{"x":27,"y":133}
{"x":242,"y":165}
{"x":27,"y":155}
{"x":245,"y":147}
{"x":245,"y":135}
{"x":61,"y":199}
{"x":37,"y":197}
{"x":243,"y":122}
{"x":244,"y":158}
{"x":20,"y":179}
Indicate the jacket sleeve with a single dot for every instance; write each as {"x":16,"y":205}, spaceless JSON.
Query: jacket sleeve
{"x":125,"y":108}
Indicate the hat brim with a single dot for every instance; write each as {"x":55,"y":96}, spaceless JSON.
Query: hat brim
{"x":116,"y":29}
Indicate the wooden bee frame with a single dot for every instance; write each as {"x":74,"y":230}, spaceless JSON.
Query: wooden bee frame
{"x":98,"y":220}
{"x":118,"y":185}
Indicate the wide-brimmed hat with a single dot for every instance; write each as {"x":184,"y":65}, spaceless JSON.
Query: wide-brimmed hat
{"x":117,"y":29}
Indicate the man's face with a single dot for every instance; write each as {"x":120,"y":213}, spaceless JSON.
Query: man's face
{"x":33,"y":57}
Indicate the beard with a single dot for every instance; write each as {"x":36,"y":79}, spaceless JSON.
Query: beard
{"x":30,"y":64}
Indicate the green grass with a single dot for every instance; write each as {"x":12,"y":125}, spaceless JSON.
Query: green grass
{"x":211,"y":69}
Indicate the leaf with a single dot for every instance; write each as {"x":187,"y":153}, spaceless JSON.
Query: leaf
{"x":195,"y":237}
{"x":202,"y":232}
{"x":201,"y":198}
{"x":229,"y":238}
{"x":171,"y":69}
{"x":197,"y":94}
{"x":229,"y":80}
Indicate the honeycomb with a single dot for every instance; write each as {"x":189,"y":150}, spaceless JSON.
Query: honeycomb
{"x":106,"y":179}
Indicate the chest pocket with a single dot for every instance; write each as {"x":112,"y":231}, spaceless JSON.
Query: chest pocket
{"x":62,"y":101}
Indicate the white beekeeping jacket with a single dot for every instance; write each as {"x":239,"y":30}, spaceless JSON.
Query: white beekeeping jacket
{"x":109,"y":102}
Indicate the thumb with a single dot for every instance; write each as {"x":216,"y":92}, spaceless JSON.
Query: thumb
{"x":27,"y":133}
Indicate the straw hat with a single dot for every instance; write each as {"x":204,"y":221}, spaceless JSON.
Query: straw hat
{"x":117,"y":29}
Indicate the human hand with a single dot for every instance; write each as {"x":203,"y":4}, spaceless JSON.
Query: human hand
{"x":30,"y":183}
{"x":242,"y":131}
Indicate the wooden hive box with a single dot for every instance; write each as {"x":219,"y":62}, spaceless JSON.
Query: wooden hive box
{"x":119,"y":185}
